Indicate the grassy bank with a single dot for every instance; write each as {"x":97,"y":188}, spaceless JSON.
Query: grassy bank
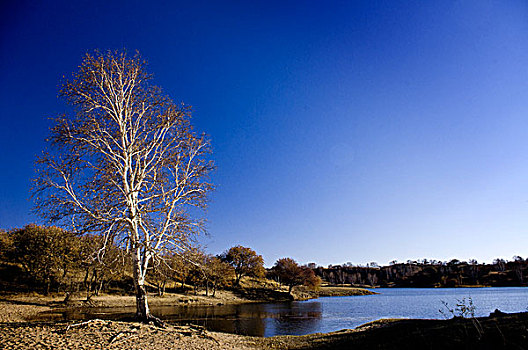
{"x":21,"y":307}
{"x":331,"y":291}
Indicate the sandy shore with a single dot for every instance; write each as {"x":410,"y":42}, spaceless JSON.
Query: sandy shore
{"x":19,"y":312}
{"x":17,"y":333}
{"x":494,"y":332}
{"x":498,"y":331}
{"x":25,"y":307}
{"x":98,"y":334}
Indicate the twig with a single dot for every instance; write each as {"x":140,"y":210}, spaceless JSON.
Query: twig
{"x":121,"y":339}
{"x":207,"y":336}
{"x":82,"y":324}
{"x":116,"y":336}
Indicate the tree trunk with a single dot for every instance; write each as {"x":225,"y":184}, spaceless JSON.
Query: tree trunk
{"x":100,"y":288}
{"x":161,"y":288}
{"x":142,"y":309}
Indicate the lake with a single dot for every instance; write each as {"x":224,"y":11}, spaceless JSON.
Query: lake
{"x":329,"y":313}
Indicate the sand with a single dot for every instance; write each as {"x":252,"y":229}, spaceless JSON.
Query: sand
{"x":99,"y":334}
{"x":18,"y":331}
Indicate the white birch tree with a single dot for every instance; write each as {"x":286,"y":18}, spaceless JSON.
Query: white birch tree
{"x":126,"y":164}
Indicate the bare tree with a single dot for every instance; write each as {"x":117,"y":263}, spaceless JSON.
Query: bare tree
{"x":126,"y":164}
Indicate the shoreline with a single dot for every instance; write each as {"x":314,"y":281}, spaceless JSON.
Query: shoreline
{"x":497,"y":331}
{"x":24,"y":307}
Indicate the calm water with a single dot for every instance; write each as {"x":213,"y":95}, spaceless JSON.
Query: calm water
{"x":330,"y":313}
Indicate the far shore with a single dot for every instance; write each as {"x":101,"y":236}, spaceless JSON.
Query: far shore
{"x":23,"y":307}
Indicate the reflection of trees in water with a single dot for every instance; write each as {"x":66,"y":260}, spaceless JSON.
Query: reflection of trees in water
{"x":252,"y":319}
{"x":249,"y":319}
{"x":105,"y":313}
{"x":300,"y":318}
{"x":240,"y":319}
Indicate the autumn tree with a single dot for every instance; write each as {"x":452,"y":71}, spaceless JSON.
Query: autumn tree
{"x":47,"y":254}
{"x":207,"y":271}
{"x":218,"y":273}
{"x":101,"y":263}
{"x":126,"y":164}
{"x":196,"y":261}
{"x":290,"y":273}
{"x":6,"y":246}
{"x":160,"y":273}
{"x":245,"y":261}
{"x":180,"y":266}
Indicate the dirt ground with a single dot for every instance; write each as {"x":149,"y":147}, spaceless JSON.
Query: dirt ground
{"x":98,"y":334}
{"x":18,"y":332}
{"x":24,"y":307}
{"x":503,"y":332}
{"x":18,"y":312}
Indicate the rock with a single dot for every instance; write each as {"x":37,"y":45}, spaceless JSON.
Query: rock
{"x":497,"y":313}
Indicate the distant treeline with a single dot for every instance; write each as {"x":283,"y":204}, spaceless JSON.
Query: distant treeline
{"x":429,"y":273}
{"x":45,"y":259}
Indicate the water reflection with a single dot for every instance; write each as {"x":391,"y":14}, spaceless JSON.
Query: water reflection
{"x":325,"y":314}
{"x":249,"y":319}
{"x":298,"y":319}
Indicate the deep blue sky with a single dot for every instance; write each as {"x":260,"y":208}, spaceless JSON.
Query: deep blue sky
{"x":354,"y":131}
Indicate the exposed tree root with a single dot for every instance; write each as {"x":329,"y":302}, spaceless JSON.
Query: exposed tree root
{"x":125,"y":335}
{"x":122,"y":336}
{"x":82,"y":324}
{"x":153,"y":320}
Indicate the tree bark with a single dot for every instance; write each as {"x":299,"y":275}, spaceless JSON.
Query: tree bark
{"x":100,"y":288}
{"x":142,"y":308}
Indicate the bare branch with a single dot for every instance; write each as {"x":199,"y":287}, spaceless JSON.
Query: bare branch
{"x":126,"y":164}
